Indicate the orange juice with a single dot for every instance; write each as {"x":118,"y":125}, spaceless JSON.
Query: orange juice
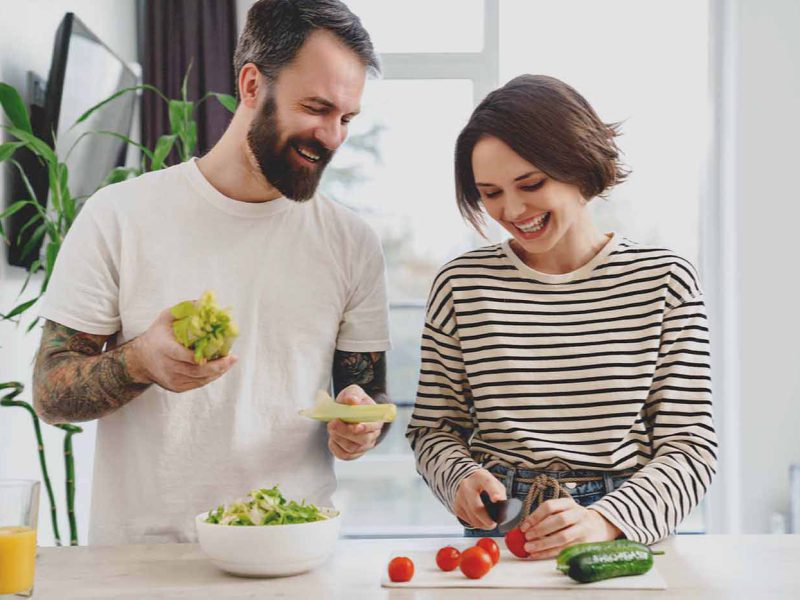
{"x":17,"y":557}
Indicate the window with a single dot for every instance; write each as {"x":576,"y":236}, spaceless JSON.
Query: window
{"x":643,"y":64}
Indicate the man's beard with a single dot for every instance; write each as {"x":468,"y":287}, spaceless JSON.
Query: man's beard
{"x":274,"y":157}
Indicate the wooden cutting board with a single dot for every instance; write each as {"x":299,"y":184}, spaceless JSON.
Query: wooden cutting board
{"x":512,"y":572}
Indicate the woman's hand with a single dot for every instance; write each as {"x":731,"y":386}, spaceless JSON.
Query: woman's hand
{"x":468,"y":506}
{"x":562,"y":522}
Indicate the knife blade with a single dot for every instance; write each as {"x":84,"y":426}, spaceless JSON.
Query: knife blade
{"x":506,"y":513}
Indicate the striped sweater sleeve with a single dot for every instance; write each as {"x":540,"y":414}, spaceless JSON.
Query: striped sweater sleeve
{"x":651,"y":504}
{"x":441,"y":422}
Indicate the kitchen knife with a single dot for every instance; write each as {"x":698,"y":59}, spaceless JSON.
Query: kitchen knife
{"x":506,"y":513}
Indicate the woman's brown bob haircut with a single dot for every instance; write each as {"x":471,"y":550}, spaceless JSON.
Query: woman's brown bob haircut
{"x":551,"y":126}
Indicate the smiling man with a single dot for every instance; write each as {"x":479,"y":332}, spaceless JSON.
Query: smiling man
{"x":304,"y":278}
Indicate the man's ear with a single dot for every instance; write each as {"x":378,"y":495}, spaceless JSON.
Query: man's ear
{"x":250,"y":83}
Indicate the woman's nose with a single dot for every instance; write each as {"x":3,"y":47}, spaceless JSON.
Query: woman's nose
{"x":514,"y":207}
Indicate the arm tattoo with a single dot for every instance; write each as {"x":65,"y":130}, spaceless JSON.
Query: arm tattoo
{"x":366,"y":369}
{"x":74,"y":380}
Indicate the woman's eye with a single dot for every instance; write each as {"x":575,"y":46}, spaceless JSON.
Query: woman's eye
{"x":533,"y":187}
{"x":491,"y":194}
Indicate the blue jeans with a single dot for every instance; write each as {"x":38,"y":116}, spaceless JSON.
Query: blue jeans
{"x":584,"y":493}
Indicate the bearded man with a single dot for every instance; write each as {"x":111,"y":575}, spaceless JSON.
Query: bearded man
{"x":304,"y":278}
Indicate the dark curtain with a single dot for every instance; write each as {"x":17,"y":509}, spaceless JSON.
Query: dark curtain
{"x":173,"y":34}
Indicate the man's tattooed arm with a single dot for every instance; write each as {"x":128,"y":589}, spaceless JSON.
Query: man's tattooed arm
{"x":74,"y":380}
{"x":366,"y":369}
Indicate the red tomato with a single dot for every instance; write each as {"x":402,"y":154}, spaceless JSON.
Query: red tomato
{"x":475,"y":562}
{"x":401,"y":568}
{"x":448,"y":558}
{"x":491,"y":547}
{"x":515,"y":542}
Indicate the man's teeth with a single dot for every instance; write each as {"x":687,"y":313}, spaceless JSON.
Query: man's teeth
{"x":534,"y":224}
{"x":307,"y":153}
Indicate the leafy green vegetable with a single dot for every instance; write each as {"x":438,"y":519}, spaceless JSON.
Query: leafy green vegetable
{"x":264,"y":507}
{"x":204,"y":327}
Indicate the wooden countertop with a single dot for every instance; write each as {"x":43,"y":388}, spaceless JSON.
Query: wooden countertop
{"x":695,"y":566}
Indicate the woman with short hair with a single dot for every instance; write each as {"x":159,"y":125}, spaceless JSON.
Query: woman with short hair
{"x":566,"y":366}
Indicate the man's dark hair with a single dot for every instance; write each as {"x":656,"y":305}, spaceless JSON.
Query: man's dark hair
{"x":276,"y":29}
{"x":550,"y":125}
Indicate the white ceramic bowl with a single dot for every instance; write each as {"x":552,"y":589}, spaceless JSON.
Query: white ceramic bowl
{"x":269,"y":550}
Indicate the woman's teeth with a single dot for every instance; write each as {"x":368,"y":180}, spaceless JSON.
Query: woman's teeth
{"x":534,"y":224}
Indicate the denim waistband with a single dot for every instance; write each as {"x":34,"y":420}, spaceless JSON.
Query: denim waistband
{"x":509,"y":475}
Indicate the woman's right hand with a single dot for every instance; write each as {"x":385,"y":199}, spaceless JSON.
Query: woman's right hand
{"x":468,"y":506}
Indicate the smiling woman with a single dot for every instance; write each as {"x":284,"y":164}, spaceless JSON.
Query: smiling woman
{"x":566,"y":366}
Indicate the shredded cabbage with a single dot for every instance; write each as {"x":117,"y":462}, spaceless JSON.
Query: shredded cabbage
{"x":264,"y":507}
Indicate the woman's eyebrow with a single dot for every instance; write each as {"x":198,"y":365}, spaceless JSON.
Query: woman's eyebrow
{"x":521,"y":177}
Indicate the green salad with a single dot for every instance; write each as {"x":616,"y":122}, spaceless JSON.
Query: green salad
{"x":264,"y":507}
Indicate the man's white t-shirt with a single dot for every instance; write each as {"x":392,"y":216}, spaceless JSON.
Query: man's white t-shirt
{"x":302,"y":280}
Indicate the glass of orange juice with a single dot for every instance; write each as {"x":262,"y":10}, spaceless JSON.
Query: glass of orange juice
{"x":19,"y":512}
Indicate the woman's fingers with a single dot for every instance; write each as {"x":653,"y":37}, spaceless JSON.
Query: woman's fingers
{"x":553,"y":523}
{"x":545,"y":509}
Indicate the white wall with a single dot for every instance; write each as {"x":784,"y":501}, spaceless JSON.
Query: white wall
{"x":27,"y":30}
{"x":767,"y":164}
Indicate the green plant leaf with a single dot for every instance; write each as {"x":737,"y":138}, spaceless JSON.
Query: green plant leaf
{"x":14,"y":108}
{"x":142,"y":148}
{"x":55,"y":189}
{"x":35,"y":266}
{"x":7,"y":150}
{"x":51,"y":254}
{"x":180,"y":113}
{"x":163,"y":147}
{"x":37,"y":236}
{"x":37,"y":146}
{"x":111,"y":98}
{"x":21,"y":308}
{"x":118,"y":174}
{"x":14,"y":208}
{"x":227,"y":101}
{"x":33,"y":324}
{"x":31,"y":222}
{"x":28,"y":186}
{"x":190,"y":141}
{"x":184,"y":85}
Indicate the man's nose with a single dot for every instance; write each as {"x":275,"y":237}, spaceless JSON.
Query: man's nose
{"x":331,"y":135}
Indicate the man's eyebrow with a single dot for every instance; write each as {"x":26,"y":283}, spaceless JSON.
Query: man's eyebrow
{"x":327,"y":103}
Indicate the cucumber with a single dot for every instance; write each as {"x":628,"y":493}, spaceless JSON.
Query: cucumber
{"x":596,"y":565}
{"x":562,"y":561}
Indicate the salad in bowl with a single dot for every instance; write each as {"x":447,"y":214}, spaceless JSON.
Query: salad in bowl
{"x":266,"y":535}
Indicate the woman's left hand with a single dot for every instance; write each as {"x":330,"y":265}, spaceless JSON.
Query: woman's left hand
{"x":562,"y":522}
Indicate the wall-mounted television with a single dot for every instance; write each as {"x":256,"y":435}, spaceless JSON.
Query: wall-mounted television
{"x":83,"y":72}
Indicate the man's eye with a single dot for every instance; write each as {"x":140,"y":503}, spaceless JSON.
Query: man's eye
{"x":533,"y":187}
{"x":314,"y":110}
{"x":346,"y":120}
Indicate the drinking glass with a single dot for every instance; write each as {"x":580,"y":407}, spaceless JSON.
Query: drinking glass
{"x":19,"y":512}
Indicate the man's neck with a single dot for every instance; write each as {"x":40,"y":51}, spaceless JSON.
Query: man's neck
{"x":231,"y":169}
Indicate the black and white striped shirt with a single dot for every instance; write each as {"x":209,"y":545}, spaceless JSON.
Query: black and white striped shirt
{"x":605,"y":368}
